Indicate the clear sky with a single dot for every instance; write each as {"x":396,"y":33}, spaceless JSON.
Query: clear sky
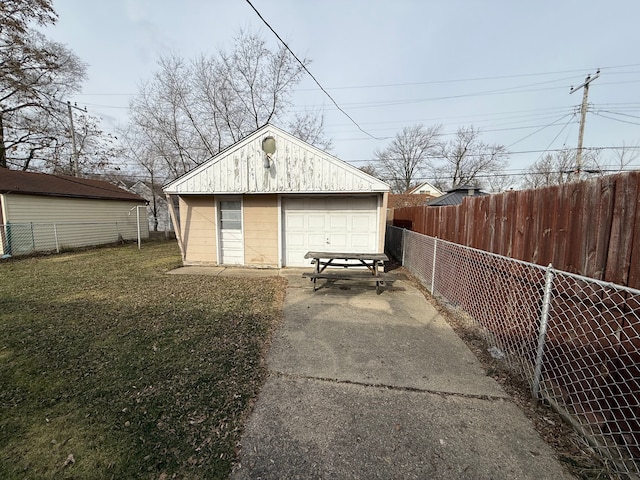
{"x":504,"y":66}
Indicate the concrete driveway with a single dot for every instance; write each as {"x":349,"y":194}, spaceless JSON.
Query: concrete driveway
{"x":379,"y":386}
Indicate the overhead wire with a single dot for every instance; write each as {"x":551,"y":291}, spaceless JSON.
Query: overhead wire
{"x":618,"y":113}
{"x":556,"y":137}
{"x":309,"y":73}
{"x":616,"y":119}
{"x":539,"y":130}
{"x":520,"y":152}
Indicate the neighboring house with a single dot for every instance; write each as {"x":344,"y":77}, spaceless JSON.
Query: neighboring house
{"x":455,"y":196}
{"x":425,"y":189}
{"x":41,"y":212}
{"x":399,"y":200}
{"x":270,"y":198}
{"x":157,"y":209}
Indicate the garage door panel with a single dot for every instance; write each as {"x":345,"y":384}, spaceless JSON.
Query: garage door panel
{"x":316,"y":221}
{"x":340,"y":223}
{"x":296,"y":239}
{"x":316,"y":241}
{"x":361,"y":241}
{"x":296,"y":221}
{"x":296,"y":204}
{"x":338,"y":242}
{"x":363,"y":222}
{"x":367,"y":203}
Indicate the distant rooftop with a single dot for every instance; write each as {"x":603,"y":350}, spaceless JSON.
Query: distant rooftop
{"x":32,"y":183}
{"x":455,"y":196}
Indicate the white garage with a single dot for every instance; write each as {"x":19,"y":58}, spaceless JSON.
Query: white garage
{"x":331,"y":224}
{"x":270,"y":198}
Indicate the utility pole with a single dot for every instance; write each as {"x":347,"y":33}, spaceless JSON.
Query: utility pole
{"x":583,"y":117}
{"x":73,"y":141}
{"x":73,"y":132}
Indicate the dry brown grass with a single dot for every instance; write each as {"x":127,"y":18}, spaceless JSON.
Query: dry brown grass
{"x":111,"y":369}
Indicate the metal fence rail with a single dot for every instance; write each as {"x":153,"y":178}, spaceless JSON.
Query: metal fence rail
{"x":575,"y":340}
{"x":28,"y":238}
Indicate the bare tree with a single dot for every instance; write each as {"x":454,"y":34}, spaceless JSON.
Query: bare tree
{"x":191,"y":110}
{"x":17,"y":15}
{"x":370,"y":170}
{"x":466,"y":159}
{"x":408,"y":156}
{"x":559,"y":167}
{"x":145,"y":163}
{"x":499,"y":182}
{"x":33,"y":71}
{"x":162,"y":114}
{"x":551,"y":169}
{"x":96,"y":149}
{"x":622,"y":157}
{"x":309,"y":127}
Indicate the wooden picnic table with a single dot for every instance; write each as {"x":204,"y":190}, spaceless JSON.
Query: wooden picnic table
{"x":350,"y":261}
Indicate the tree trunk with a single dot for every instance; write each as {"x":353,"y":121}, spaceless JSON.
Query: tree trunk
{"x":3,"y":149}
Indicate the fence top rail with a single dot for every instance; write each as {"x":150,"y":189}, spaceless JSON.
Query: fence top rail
{"x":40,"y":224}
{"x":555,"y":271}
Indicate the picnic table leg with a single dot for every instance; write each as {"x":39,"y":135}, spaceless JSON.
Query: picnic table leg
{"x":315,"y":279}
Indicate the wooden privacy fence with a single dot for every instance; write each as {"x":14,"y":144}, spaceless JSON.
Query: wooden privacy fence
{"x":591,"y":228}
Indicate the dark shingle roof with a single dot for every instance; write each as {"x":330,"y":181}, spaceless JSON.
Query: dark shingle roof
{"x":455,"y":196}
{"x":31,"y":183}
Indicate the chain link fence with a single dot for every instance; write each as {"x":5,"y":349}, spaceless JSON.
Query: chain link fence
{"x":575,"y":340}
{"x":18,"y":239}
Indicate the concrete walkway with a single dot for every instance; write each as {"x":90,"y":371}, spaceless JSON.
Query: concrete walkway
{"x":379,"y":386}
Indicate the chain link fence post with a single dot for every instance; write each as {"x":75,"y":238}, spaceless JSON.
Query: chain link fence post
{"x":404,"y":244}
{"x":55,"y":234}
{"x":433,"y":267}
{"x":544,"y":321}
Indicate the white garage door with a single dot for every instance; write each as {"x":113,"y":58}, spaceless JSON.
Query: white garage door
{"x":329,"y":224}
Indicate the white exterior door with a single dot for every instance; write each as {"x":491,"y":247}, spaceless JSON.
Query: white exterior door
{"x":328,"y":224}
{"x":230,"y":228}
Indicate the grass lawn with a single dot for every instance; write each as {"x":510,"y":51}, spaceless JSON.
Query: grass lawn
{"x":111,"y":369}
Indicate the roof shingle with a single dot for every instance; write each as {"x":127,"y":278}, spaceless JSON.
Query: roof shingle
{"x":32,"y":183}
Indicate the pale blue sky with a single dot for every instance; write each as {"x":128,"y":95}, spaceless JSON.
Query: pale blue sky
{"x":504,"y":66}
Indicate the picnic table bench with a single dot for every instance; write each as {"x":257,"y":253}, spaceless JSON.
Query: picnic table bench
{"x":349,"y":261}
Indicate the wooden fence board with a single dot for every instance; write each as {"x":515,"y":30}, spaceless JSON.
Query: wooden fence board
{"x":591,"y":228}
{"x":619,"y":260}
{"x":605,"y":217}
{"x":634,"y":266}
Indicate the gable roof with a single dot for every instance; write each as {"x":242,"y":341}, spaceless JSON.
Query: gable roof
{"x":432,"y":190}
{"x":456,"y":195}
{"x":295,"y":167}
{"x":32,"y":183}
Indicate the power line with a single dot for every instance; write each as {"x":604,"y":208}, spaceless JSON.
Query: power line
{"x":474,"y":79}
{"x":310,"y":74}
{"x":539,"y":130}
{"x":616,"y":119}
{"x":521,"y":152}
{"x":556,"y":137}
{"x":525,"y":172}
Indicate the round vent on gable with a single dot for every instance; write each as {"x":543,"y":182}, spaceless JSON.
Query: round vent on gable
{"x":269,"y":148}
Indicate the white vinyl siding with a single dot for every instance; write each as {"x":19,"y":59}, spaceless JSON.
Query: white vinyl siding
{"x":43,"y":223}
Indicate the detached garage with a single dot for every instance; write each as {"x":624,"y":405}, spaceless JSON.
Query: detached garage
{"x":42,"y":213}
{"x":269,"y":199}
